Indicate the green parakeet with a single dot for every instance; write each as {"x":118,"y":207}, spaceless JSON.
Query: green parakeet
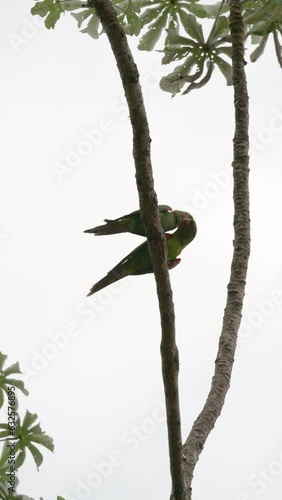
{"x":139,"y":260}
{"x":131,"y":223}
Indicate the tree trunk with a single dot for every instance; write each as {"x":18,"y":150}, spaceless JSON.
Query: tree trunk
{"x":236,"y":287}
{"x":155,"y":235}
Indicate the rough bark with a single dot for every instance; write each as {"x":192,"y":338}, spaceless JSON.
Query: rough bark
{"x":236,"y":287}
{"x":155,"y":235}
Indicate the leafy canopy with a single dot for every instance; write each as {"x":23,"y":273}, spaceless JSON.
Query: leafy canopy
{"x":175,"y":22}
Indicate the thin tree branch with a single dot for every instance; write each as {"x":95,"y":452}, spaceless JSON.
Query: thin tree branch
{"x":156,"y":239}
{"x":215,"y":23}
{"x":236,"y":287}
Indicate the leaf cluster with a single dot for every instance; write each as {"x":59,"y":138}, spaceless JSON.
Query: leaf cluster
{"x":176,"y":22}
{"x":22,"y":435}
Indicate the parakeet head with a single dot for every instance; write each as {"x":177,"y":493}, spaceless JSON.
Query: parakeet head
{"x":188,"y":228}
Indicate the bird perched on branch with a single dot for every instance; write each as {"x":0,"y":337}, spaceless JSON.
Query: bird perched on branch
{"x":131,"y":223}
{"x":139,"y":260}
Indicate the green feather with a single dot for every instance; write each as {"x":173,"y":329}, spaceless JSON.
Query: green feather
{"x":139,"y":260}
{"x":131,"y":223}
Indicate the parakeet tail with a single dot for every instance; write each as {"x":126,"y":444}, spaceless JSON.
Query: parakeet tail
{"x":112,"y":227}
{"x":110,"y":278}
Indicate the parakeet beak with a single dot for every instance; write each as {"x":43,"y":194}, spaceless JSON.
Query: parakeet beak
{"x":186,"y":222}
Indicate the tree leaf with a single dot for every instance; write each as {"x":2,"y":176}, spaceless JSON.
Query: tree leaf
{"x":51,"y":9}
{"x":81,"y":16}
{"x":191,"y":26}
{"x":259,"y":49}
{"x":175,"y":54}
{"x":44,"y":440}
{"x":212,"y":10}
{"x":15,"y":368}
{"x":223,"y":50}
{"x":173,"y":82}
{"x":197,"y":10}
{"x":5,"y":382}
{"x":92,"y":27}
{"x":197,"y":85}
{"x":134,"y":23}
{"x":262,"y":12}
{"x":6,"y":431}
{"x":278,"y":48}
{"x":17,"y":383}
{"x":20,"y":457}
{"x":3,"y":358}
{"x":225,"y":68}
{"x":220,"y":29}
{"x":42,"y":8}
{"x":70,"y":5}
{"x":28,"y":420}
{"x":149,"y":39}
{"x":148,"y":15}
{"x":29,"y":434}
{"x":37,"y":455}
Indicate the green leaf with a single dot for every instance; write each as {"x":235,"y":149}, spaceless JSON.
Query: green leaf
{"x":81,"y":16}
{"x":220,"y":29}
{"x":6,"y":382}
{"x":259,"y":50}
{"x":197,"y":85}
{"x":197,"y":10}
{"x":92,"y":27}
{"x":20,"y":458}
{"x":37,"y":455}
{"x":53,"y":17}
{"x":191,"y":26}
{"x":5,"y":432}
{"x":173,"y":82}
{"x":261,"y":13}
{"x":42,"y":8}
{"x":278,"y":48}
{"x":52,"y":9}
{"x":3,"y":358}
{"x":5,"y":453}
{"x":70,"y":5}
{"x":15,"y":368}
{"x":19,"y":384}
{"x":225,"y":68}
{"x":175,"y":54}
{"x":212,"y":10}
{"x":255,"y":39}
{"x":149,"y":3}
{"x":174,"y":39}
{"x":223,"y":50}
{"x":149,"y":39}
{"x":29,"y":434}
{"x":45,"y":440}
{"x":36,"y":429}
{"x":28,"y":420}
{"x":134,"y":23}
{"x":147,"y":16}
{"x":178,"y":47}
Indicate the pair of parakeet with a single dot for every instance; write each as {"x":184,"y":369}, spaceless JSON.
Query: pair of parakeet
{"x":139,"y":260}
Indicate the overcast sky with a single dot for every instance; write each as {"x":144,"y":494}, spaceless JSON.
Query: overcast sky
{"x":92,"y":364}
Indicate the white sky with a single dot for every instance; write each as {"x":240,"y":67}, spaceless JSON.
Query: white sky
{"x":100,"y":396}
